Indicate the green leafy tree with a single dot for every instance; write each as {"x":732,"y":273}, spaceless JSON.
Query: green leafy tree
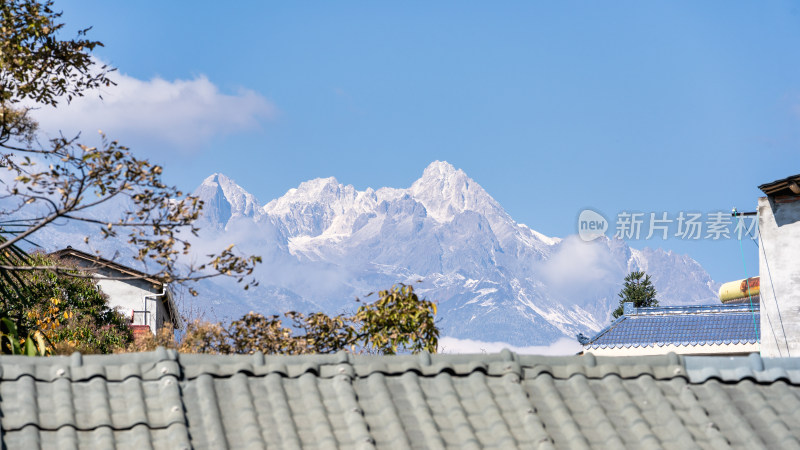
{"x":68,"y":309}
{"x":12,"y":344}
{"x":637,"y":289}
{"x":398,"y":321}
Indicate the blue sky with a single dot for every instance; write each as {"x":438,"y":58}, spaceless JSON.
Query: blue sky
{"x":551,"y":107}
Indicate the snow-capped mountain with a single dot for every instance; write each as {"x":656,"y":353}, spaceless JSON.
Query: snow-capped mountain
{"x":225,"y":200}
{"x":324,"y":243}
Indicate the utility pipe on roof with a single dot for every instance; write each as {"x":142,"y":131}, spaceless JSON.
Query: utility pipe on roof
{"x":154,"y":296}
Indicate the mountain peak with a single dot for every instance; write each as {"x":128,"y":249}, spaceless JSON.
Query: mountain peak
{"x":214,"y":178}
{"x":318,"y":185}
{"x":316,"y":205}
{"x":317,"y":190}
{"x":446,"y":191}
{"x":224,"y":184}
{"x":223,"y":199}
{"x":441,"y":170}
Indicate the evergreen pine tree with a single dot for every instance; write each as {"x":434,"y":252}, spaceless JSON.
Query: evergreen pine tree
{"x":637,"y":289}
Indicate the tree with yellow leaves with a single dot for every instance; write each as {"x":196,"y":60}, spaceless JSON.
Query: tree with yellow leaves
{"x":71,"y":312}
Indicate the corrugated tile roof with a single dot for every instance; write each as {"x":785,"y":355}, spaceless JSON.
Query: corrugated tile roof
{"x":681,"y":326}
{"x":731,"y":369}
{"x":166,"y":400}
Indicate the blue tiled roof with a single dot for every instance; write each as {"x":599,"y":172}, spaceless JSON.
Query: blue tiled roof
{"x":682,"y":325}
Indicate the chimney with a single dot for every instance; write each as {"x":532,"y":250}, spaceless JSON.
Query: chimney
{"x":779,"y":267}
{"x":628,"y":309}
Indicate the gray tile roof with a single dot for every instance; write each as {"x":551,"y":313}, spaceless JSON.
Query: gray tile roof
{"x":165,"y":400}
{"x":736,"y":323}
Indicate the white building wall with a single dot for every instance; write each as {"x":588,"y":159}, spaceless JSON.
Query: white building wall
{"x":132,"y":295}
{"x":779,"y":269}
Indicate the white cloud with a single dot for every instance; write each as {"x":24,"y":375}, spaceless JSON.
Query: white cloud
{"x":561,"y":347}
{"x":181,"y":113}
{"x":579,"y":268}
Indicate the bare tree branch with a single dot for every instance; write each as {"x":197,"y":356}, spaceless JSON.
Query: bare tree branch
{"x":63,"y":179}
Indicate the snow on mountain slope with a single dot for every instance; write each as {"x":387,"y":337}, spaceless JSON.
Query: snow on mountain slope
{"x":325,"y":243}
{"x":225,"y":200}
{"x":445,"y":191}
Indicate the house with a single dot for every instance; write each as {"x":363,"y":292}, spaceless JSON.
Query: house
{"x":779,"y":268}
{"x":722,"y":329}
{"x":145,"y":300}
{"x":732,"y":327}
{"x":165,"y":400}
{"x":771,"y":300}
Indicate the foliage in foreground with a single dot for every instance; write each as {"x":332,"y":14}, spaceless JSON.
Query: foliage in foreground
{"x":63,"y":313}
{"x":399,"y":321}
{"x":69,"y":310}
{"x":12,"y":344}
{"x":60,"y":180}
{"x":637,"y":289}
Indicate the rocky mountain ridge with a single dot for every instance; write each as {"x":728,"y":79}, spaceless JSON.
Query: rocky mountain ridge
{"x":494,"y":279}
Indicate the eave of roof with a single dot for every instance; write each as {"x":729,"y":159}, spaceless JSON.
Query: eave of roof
{"x":780,"y":187}
{"x":135,"y":274}
{"x":693,"y":309}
